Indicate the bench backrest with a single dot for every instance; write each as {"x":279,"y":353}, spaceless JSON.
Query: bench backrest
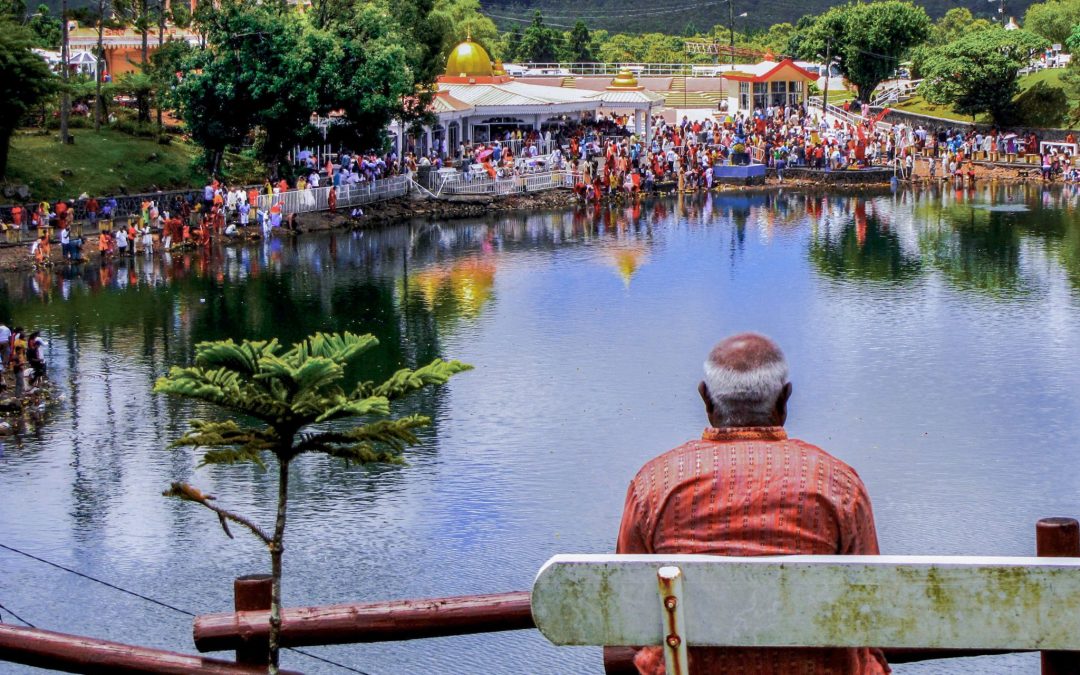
{"x":809,"y":601}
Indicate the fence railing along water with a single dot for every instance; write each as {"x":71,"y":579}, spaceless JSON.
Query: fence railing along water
{"x":308,"y":200}
{"x":465,"y":184}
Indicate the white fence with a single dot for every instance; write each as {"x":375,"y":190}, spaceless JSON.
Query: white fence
{"x":462,"y":184}
{"x":845,"y":116}
{"x":348,"y":196}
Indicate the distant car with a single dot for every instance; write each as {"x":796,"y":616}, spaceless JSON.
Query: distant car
{"x":514,"y":70}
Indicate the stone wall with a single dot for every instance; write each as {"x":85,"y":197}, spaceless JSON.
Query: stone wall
{"x":838,"y":177}
{"x":914,"y":120}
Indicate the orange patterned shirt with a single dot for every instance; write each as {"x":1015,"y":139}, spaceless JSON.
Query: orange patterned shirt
{"x":751,"y":492}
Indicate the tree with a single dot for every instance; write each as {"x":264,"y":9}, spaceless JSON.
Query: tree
{"x":868,"y":40}
{"x":254,"y":53}
{"x":455,"y":20}
{"x":1054,"y":19}
{"x":45,"y":28}
{"x":579,"y":44}
{"x":25,"y":79}
{"x":513,"y":43}
{"x":365,"y":73}
{"x":293,"y":396}
{"x":956,"y":22}
{"x":181,"y":15}
{"x":539,"y":44}
{"x":14,"y":10}
{"x":977,"y":73}
{"x":65,"y":73}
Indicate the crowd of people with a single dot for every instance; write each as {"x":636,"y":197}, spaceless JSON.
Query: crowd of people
{"x":20,"y":352}
{"x":607,"y":156}
{"x":600,"y":157}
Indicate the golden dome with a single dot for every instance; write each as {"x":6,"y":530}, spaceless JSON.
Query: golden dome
{"x":498,"y":70}
{"x":624,"y":80}
{"x":468,"y":60}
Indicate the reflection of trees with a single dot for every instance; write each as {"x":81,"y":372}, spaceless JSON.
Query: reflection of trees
{"x":861,"y":248}
{"x":974,"y":249}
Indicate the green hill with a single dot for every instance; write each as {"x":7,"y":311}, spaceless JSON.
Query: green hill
{"x":676,"y":15}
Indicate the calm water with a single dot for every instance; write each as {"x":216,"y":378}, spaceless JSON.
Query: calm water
{"x":933,"y":339}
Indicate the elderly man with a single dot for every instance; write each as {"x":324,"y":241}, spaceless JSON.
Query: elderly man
{"x":746,"y":489}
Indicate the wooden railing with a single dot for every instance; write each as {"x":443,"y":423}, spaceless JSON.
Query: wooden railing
{"x":997,"y":605}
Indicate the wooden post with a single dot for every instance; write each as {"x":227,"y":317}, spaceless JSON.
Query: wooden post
{"x":253,"y":592}
{"x":1058,"y":538}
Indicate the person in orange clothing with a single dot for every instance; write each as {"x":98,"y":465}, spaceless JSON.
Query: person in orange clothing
{"x":711,"y":496}
{"x":104,"y":246}
{"x":331,"y":200}
{"x":253,"y":197}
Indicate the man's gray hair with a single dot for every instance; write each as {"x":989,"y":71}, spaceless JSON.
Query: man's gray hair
{"x":745,"y":375}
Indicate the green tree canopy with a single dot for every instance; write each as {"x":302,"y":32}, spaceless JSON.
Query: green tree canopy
{"x":977,"y":73}
{"x":868,"y":40}
{"x":282,"y":405}
{"x":579,"y":44}
{"x":267,"y":68}
{"x":539,"y":43}
{"x":25,"y":79}
{"x":956,"y":22}
{"x":1053,"y":20}
{"x":457,"y":19}
{"x":45,"y":28}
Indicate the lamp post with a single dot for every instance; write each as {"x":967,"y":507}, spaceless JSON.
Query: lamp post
{"x":1001,"y":9}
{"x":731,"y":30}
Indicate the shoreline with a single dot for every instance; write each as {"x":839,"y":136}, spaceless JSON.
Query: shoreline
{"x":16,"y":257}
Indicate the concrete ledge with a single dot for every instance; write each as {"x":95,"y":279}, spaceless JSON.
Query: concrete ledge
{"x":840,"y":176}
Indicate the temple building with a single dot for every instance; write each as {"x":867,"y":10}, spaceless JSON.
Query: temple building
{"x":478,"y":102}
{"x":123,"y":47}
{"x":758,"y":86}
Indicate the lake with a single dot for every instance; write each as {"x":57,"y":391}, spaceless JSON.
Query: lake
{"x":933,"y":338}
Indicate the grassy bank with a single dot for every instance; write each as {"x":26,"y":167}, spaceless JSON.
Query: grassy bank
{"x":108,"y":163}
{"x":917,"y":104}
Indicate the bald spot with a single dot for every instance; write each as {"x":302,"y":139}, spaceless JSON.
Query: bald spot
{"x":746,"y":352}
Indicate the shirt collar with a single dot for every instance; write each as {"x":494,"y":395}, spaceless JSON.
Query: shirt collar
{"x":744,"y":434}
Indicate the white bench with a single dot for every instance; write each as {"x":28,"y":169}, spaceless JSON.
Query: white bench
{"x":808,"y":601}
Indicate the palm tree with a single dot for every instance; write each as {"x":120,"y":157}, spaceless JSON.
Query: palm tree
{"x":294,"y":395}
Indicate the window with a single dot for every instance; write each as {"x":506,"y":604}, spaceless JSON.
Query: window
{"x":779,"y":94}
{"x":795,"y":94}
{"x":744,"y":96}
{"x":761,"y":95}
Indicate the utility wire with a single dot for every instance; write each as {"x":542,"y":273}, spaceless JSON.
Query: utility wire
{"x":631,"y":13}
{"x":17,"y":617}
{"x":103,"y":583}
{"x":151,"y":600}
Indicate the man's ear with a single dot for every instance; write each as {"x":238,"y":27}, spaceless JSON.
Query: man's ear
{"x":781,"y":403}
{"x":703,"y":389}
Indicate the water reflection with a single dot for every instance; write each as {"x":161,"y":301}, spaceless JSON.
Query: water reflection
{"x":586,"y":327}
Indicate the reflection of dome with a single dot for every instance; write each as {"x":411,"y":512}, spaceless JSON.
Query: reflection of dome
{"x":627,"y":261}
{"x":468,"y":60}
{"x":460,"y":291}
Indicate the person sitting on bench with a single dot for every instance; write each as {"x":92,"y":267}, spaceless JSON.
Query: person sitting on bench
{"x":746,"y":489}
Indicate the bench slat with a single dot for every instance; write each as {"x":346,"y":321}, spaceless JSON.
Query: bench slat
{"x":816,"y":601}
